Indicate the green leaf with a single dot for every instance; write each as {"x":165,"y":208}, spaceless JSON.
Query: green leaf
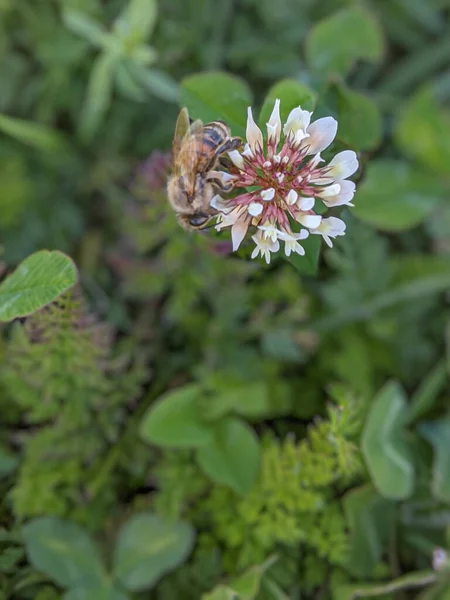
{"x":148,"y":547}
{"x":337,"y":42}
{"x":174,"y":420}
{"x":36,"y":135}
{"x":308,"y":264}
{"x":156,"y":82}
{"x":100,"y":592}
{"x":127,"y":84}
{"x":250,"y":400}
{"x":247,"y":585}
{"x":63,"y":551}
{"x":423,"y":131}
{"x":233,"y":457}
{"x":369,"y":518}
{"x":272,"y":591}
{"x":37,"y":281}
{"x":387,"y":455}
{"x":138,"y":19}
{"x":8,"y":462}
{"x":427,"y":394}
{"x":221,"y":592}
{"x":396,"y":196}
{"x":217,"y":95}
{"x":291,"y":94}
{"x":437,"y":433}
{"x":359,"y":119}
{"x":85,"y":26}
{"x":98,"y":95}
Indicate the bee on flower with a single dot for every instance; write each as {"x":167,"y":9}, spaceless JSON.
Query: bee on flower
{"x":286,"y":183}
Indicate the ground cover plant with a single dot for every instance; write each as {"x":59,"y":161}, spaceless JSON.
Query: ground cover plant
{"x":238,"y":413}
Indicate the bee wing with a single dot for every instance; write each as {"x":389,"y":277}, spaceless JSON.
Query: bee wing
{"x":186,"y":146}
{"x":181,"y":129}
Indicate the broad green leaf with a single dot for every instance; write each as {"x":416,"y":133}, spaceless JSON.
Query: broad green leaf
{"x":100,"y":592}
{"x":308,"y":264}
{"x":369,"y":517}
{"x":98,"y":96}
{"x":386,"y":452}
{"x":217,"y":95}
{"x":8,"y":462}
{"x":148,"y":547}
{"x":250,"y":400}
{"x":395,"y":196}
{"x":63,"y":551}
{"x":437,"y":433}
{"x":233,"y":456}
{"x":156,"y":82}
{"x":37,"y":281}
{"x":423,"y":131}
{"x":427,"y":394}
{"x":174,"y":420}
{"x":359,"y":119}
{"x":86,"y":27}
{"x":32,"y":134}
{"x":291,"y":94}
{"x":336,"y":43}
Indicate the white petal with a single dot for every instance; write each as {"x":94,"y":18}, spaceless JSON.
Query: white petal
{"x":333,"y":226}
{"x":343,"y":165}
{"x":274,"y":125}
{"x":236,"y":158}
{"x":255,"y":209}
{"x":220,"y":204}
{"x":297,"y":122}
{"x":306,"y":203}
{"x":310,"y":221}
{"x":327,"y":240}
{"x":268,"y":194}
{"x":254,"y":134}
{"x":321,"y":133}
{"x":345,"y":195}
{"x":255,"y":252}
{"x":247,"y":151}
{"x":238,"y":232}
{"x":316,"y":160}
{"x":292,"y":197}
{"x":331,"y":190}
{"x":299,"y":249}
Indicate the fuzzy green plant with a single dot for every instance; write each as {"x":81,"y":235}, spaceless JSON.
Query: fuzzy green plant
{"x":69,"y":391}
{"x":293,"y":502}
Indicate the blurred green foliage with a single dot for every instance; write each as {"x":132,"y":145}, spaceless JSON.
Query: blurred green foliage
{"x":299,"y":424}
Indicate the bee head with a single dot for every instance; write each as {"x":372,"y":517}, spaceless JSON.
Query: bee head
{"x":194,"y":221}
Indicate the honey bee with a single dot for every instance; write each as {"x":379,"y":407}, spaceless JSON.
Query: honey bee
{"x":194,"y":181}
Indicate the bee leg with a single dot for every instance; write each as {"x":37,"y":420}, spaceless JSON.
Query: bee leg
{"x":227,"y":146}
{"x":224,"y":182}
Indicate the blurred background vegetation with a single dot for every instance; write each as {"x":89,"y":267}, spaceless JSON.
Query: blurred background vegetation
{"x":330,"y":389}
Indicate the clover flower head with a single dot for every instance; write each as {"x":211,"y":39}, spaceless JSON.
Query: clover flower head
{"x":284,"y":177}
